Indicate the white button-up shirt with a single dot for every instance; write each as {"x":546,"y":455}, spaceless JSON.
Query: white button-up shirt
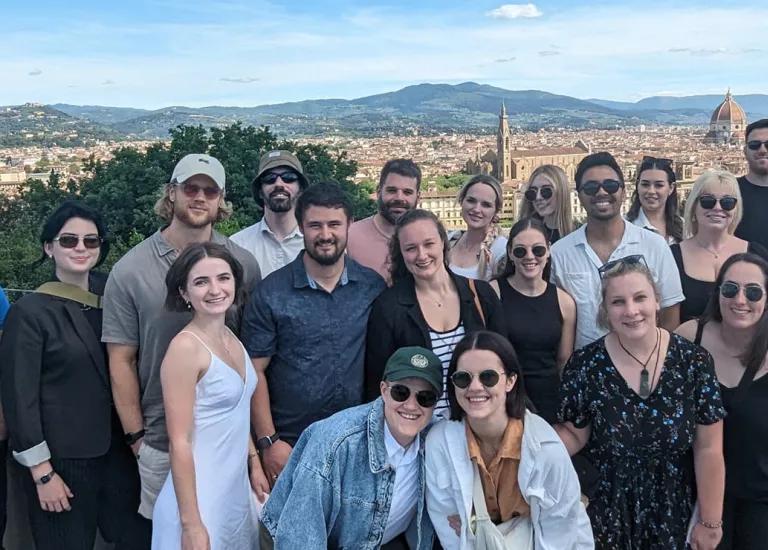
{"x":575,"y":265}
{"x":405,"y":493}
{"x":271,"y":253}
{"x":642,"y":221}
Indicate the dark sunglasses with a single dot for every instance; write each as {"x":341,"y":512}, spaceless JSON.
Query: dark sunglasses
{"x":752,"y":291}
{"x":653,"y":161}
{"x":521,"y":251}
{"x":754,"y":144}
{"x":626,"y":260}
{"x":271,"y":177}
{"x":544,"y":192}
{"x":592,"y":187}
{"x":488,"y":378}
{"x":401,"y":393}
{"x":70,"y":241}
{"x":727,"y":203}
{"x":192,"y":189}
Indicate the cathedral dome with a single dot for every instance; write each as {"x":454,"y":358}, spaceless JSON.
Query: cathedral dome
{"x":729,"y":111}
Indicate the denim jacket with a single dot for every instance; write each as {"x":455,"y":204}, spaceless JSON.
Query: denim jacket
{"x":336,"y":490}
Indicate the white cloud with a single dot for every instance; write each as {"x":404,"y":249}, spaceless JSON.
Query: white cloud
{"x":108,"y":82}
{"x":548,"y":53}
{"x":240,"y":79}
{"x":35,"y":72}
{"x":515,"y":11}
{"x":505,"y":60}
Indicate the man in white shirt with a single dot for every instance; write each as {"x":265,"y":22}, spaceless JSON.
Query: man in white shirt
{"x":606,"y":236}
{"x":275,"y":240}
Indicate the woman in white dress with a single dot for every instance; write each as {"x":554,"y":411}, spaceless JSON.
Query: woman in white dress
{"x":208,"y":380}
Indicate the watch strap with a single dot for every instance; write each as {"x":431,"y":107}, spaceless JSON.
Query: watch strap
{"x":266,"y":442}
{"x":42,"y":480}
{"x":133,"y":437}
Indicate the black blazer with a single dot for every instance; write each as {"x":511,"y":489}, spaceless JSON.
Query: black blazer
{"x":54,"y":377}
{"x":396,"y":321}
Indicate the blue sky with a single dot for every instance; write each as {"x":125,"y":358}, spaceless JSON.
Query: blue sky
{"x":155,"y":53}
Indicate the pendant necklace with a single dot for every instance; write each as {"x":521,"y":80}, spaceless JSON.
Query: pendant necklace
{"x":645,"y":387}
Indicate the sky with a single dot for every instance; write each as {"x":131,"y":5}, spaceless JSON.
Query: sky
{"x":157,"y":53}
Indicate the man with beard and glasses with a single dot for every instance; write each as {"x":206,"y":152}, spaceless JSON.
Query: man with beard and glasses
{"x":275,"y":240}
{"x":304,"y":328}
{"x":397,"y":193}
{"x":607,"y":236}
{"x":754,"y":185}
{"x":136,"y":327}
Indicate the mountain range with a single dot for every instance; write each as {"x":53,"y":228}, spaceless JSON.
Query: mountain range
{"x":424,"y":108}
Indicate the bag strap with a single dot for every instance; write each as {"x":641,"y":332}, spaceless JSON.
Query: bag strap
{"x":70,"y":292}
{"x":477,"y":300}
{"x":699,"y":332}
{"x":478,"y":498}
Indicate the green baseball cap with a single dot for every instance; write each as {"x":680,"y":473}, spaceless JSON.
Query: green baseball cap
{"x":415,"y":362}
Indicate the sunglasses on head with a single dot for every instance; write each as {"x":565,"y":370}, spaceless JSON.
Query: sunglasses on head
{"x":708,"y":202}
{"x":544,"y":192}
{"x":192,"y":189}
{"x":488,"y":378}
{"x":752,"y":291}
{"x":626,"y":260}
{"x":592,"y":187}
{"x":401,"y":393}
{"x":754,"y":144}
{"x":271,"y":177}
{"x":521,"y":251}
{"x":70,"y":241}
{"x":653,"y":161}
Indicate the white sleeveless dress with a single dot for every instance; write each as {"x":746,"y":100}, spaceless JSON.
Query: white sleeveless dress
{"x":220,"y":452}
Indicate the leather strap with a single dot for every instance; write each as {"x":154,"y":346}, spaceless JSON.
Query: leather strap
{"x":70,"y":292}
{"x":477,"y":300}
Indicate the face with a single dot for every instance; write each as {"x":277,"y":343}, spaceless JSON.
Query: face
{"x":603,"y":205}
{"x":325,"y":233}
{"x":739,"y":312}
{"x":529,"y":266}
{"x":757,"y":160}
{"x":480,"y":402}
{"x":543,"y":207}
{"x":422,"y":248}
{"x":479,"y":206}
{"x":210,"y":287}
{"x":631,"y":305}
{"x":714,"y":219}
{"x":406,"y":419}
{"x":397,"y":195}
{"x":653,"y":189}
{"x":280,"y":196}
{"x":191,"y":205}
{"x":77,"y":260}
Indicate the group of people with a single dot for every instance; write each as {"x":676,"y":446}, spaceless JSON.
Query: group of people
{"x":314,"y":382}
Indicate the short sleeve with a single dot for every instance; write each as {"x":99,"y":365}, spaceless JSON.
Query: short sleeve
{"x":120,"y":324}
{"x":709,"y":403}
{"x":574,"y":391}
{"x":259,"y":328}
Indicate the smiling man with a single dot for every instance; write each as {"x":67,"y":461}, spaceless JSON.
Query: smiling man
{"x":754,"y":185}
{"x":606,"y":236}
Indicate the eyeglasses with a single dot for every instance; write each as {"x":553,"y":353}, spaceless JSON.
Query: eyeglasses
{"x":625,"y":261}
{"x":754,"y":144}
{"x":727,"y":202}
{"x":752,"y":291}
{"x":401,"y":393}
{"x":653,"y":161}
{"x":544,"y":192}
{"x":488,"y":378}
{"x":271,"y":177}
{"x":192,"y":189}
{"x":521,"y":251}
{"x":70,"y":241}
{"x":592,"y":187}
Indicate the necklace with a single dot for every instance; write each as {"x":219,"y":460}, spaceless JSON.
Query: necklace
{"x":645,"y":387}
{"x":714,"y":253}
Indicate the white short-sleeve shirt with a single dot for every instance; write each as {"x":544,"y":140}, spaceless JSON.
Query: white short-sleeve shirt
{"x":272,"y":254}
{"x":575,"y":265}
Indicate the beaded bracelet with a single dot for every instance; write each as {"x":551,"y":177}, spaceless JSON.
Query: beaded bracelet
{"x":711,"y":524}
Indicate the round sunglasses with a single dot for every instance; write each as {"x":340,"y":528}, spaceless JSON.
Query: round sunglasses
{"x":592,"y":187}
{"x":752,"y":291}
{"x":544,"y":192}
{"x":70,"y":241}
{"x":401,"y":393}
{"x":271,"y":177}
{"x":521,"y":251}
{"x":727,"y":202}
{"x":192,"y":189}
{"x":488,"y":378}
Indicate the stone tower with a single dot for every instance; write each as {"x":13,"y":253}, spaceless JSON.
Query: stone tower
{"x":502,"y":146}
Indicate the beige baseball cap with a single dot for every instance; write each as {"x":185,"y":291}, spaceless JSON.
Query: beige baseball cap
{"x":199,"y":164}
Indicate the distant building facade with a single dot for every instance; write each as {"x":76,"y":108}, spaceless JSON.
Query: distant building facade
{"x":728,"y":123}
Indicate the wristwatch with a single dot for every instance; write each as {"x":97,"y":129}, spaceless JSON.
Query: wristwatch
{"x":133,"y":437}
{"x":264,"y":443}
{"x":46,"y":478}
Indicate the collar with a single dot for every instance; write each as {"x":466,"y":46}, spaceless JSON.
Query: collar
{"x":398,"y":455}
{"x":263,"y":227}
{"x":377,"y":449}
{"x":163,"y":247}
{"x":301,"y":278}
{"x":643,"y":221}
{"x":631,"y":235}
{"x":511,"y":442}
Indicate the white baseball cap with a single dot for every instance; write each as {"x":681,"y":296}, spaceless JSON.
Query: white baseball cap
{"x":197,"y":164}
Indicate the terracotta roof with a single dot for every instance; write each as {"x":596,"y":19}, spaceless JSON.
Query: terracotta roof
{"x":546,"y":152}
{"x":729,"y":111}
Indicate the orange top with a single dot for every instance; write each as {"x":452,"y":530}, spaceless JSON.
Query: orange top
{"x":499,"y":478}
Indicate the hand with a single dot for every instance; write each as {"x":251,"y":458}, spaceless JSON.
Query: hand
{"x":704,"y":538}
{"x":54,"y":496}
{"x":454,"y":522}
{"x":259,"y":482}
{"x":195,"y":537}
{"x":136,"y":446}
{"x":274,"y":459}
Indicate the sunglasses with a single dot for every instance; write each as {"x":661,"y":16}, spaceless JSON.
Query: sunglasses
{"x":544,"y":192}
{"x":70,"y":241}
{"x":521,"y":251}
{"x":634,"y":259}
{"x":752,"y":291}
{"x":401,"y":393}
{"x":653,"y":161}
{"x":727,"y":203}
{"x":592,"y":187}
{"x":755,"y":144}
{"x":271,"y":177}
{"x":192,"y":189}
{"x":488,"y":378}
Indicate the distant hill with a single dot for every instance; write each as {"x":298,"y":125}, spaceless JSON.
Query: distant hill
{"x":755,"y":105}
{"x":33,"y":124}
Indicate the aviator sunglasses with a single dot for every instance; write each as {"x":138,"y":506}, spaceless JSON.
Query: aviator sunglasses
{"x":727,"y":203}
{"x":192,"y":189}
{"x":401,"y":393}
{"x":621,"y":262}
{"x":544,"y":192}
{"x":755,"y":144}
{"x":521,"y":251}
{"x":488,"y":378}
{"x":752,"y":291}
{"x":271,"y":177}
{"x":70,"y":241}
{"x":592,"y":187}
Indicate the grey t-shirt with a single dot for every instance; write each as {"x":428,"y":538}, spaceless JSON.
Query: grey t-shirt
{"x":134,"y":314}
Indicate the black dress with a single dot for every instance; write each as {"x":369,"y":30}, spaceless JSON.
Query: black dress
{"x":535,"y":325}
{"x":641,"y":446}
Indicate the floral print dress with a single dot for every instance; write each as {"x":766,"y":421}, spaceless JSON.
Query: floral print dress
{"x":642,"y":448}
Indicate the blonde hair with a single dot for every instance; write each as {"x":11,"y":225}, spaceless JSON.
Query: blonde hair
{"x":721,"y":177}
{"x":164,"y":206}
{"x":621,"y":268}
{"x":559,"y":180}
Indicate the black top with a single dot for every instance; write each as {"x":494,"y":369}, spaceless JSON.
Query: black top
{"x":754,"y":200}
{"x":697,"y":292}
{"x":535,"y":325}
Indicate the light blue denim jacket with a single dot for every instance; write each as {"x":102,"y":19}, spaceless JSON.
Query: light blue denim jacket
{"x":336,"y":490}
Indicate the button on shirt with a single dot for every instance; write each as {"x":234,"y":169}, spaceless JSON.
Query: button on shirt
{"x":316,"y":341}
{"x":271,"y":253}
{"x":575,"y":265}
{"x":405,"y":493}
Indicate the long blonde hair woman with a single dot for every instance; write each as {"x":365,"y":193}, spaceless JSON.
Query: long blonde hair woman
{"x":547,"y":198}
